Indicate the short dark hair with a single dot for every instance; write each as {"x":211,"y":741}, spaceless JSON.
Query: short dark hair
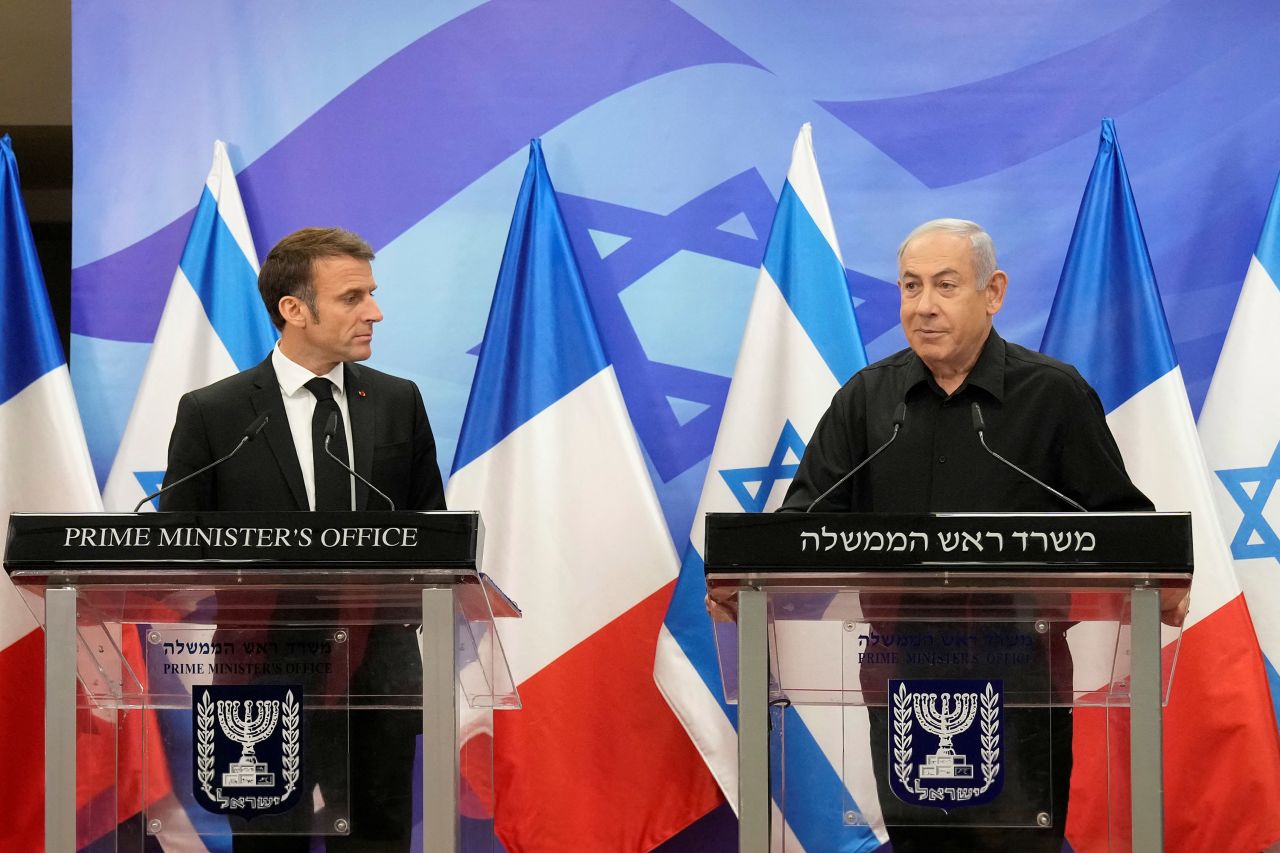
{"x":286,"y":271}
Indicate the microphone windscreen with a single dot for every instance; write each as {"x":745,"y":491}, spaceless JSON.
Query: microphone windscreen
{"x":251,"y":431}
{"x":331,"y":425}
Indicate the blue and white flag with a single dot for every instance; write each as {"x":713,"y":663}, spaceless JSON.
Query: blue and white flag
{"x":801,"y":343}
{"x":44,"y":467}
{"x":1240,"y":430}
{"x":214,"y":325}
{"x":1107,"y":320}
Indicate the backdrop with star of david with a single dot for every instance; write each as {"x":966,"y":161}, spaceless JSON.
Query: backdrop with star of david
{"x":667,"y":128}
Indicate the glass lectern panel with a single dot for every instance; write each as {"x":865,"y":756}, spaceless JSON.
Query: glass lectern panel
{"x":915,"y":695}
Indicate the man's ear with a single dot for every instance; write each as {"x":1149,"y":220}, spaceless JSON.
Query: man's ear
{"x":996,"y":287}
{"x":294,"y":311}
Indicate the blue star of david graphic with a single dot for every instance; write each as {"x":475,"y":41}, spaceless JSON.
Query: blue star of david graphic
{"x":650,"y":240}
{"x":1254,"y":523}
{"x":766,"y":475}
{"x":150,"y":482}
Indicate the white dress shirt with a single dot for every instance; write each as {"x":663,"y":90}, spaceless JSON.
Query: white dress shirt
{"x":299,"y":406}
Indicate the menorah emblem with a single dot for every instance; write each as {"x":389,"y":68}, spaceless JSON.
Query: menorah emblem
{"x":262,"y":725}
{"x":955,"y":715}
{"x":251,"y":727}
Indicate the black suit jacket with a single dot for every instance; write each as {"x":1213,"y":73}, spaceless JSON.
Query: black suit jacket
{"x":394,"y":447}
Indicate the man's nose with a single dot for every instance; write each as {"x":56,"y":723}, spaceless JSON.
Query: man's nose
{"x":374,"y":314}
{"x":925,"y":303}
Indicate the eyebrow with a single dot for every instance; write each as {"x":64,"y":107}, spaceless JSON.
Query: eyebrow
{"x":946,"y":271}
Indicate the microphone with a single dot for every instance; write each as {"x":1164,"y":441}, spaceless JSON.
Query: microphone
{"x":250,"y":433}
{"x":899,"y":416}
{"x":979,"y":426}
{"x":330,"y":428}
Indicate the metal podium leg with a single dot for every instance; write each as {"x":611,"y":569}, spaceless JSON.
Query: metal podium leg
{"x":60,"y":721}
{"x":753,"y":722}
{"x":439,"y":723}
{"x":1145,"y":724}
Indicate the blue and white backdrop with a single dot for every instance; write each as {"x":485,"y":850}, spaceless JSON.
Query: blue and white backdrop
{"x":667,"y":126}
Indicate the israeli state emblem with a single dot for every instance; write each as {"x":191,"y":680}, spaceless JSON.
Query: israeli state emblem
{"x":945,"y":741}
{"x":248,"y":748}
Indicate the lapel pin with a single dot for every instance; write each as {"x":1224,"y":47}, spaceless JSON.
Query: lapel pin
{"x":361,"y":392}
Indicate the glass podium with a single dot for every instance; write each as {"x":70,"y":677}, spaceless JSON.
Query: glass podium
{"x":224,"y":674}
{"x":932,"y":658}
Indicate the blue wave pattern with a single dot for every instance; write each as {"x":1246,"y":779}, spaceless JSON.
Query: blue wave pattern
{"x":407,"y":154}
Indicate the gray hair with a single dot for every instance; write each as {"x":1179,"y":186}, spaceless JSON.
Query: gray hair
{"x":981,"y":248}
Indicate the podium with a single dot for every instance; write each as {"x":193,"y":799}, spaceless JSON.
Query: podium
{"x":930,"y":656}
{"x":225,"y":673}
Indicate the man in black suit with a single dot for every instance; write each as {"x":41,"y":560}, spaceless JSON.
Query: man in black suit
{"x":317,"y":285}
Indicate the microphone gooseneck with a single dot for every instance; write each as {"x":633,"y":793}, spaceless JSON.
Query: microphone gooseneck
{"x":899,"y":417}
{"x":330,"y":429}
{"x":979,"y":427}
{"x":250,"y":433}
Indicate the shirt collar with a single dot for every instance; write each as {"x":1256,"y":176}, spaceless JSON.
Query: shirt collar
{"x":292,"y":376}
{"x":987,"y":373}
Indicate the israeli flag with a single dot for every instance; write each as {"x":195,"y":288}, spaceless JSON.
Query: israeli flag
{"x":1107,"y":320}
{"x":213,"y":326}
{"x":574,"y":533}
{"x":801,"y":343}
{"x":1240,"y":430}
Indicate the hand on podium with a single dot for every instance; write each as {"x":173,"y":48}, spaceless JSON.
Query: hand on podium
{"x":722,"y":604}
{"x":1173,"y":606}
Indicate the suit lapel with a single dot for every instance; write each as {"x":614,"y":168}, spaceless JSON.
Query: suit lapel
{"x":266,"y":399}
{"x":361,"y":408}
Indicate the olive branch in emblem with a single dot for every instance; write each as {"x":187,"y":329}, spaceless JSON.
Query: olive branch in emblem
{"x":902,"y":736}
{"x":290,"y":750}
{"x":990,"y":714}
{"x":204,"y":749}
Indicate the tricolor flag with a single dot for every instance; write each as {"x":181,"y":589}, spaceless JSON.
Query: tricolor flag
{"x":595,"y":760}
{"x":44,"y":467}
{"x":213,"y":325}
{"x":801,"y":343}
{"x":1240,"y":431}
{"x":1221,"y":747}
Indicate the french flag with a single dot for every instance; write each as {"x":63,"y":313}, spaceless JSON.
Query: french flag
{"x":574,"y":533}
{"x":1221,"y":746}
{"x":44,"y":467}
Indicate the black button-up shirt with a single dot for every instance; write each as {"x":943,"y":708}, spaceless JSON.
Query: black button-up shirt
{"x":1040,"y":414}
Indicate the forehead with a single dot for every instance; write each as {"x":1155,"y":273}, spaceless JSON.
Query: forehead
{"x":932,"y":253}
{"x":342,"y":273}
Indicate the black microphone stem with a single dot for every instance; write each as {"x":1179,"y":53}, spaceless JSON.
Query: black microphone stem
{"x":979,"y":426}
{"x":330,"y":428}
{"x":899,"y":415}
{"x":249,"y":434}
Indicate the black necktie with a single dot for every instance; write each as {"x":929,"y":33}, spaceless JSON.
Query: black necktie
{"x":333,"y":485}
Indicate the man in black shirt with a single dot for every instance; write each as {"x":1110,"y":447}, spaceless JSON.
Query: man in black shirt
{"x":1039,"y":413}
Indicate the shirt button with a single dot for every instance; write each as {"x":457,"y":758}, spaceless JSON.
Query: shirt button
{"x":942,"y":459}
